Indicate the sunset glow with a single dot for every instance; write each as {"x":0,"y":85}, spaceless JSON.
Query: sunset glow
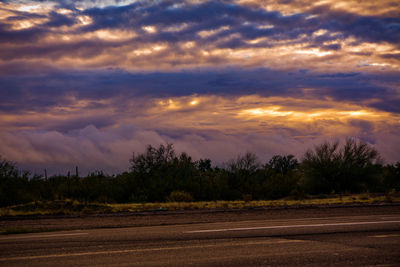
{"x":89,"y":82}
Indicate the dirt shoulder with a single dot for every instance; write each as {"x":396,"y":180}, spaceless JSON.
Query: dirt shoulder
{"x":11,"y":225}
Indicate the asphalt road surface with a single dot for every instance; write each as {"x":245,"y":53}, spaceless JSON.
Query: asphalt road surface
{"x":315,"y":241}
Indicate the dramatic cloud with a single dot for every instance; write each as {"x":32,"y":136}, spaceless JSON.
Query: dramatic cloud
{"x":158,"y":35}
{"x":39,"y":92}
{"x":88,"y":82}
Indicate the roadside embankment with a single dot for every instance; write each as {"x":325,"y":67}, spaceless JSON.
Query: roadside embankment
{"x":127,"y":215}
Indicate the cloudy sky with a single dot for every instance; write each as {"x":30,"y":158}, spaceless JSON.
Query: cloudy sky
{"x":89,"y":82}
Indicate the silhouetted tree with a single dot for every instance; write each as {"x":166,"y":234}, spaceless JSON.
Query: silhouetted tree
{"x":14,"y":187}
{"x":204,"y":165}
{"x":248,"y":163}
{"x":357,"y":166}
{"x":242,"y":172}
{"x":152,"y":159}
{"x":158,"y":174}
{"x":321,"y":168}
{"x":328,"y":168}
{"x":390,"y":177}
{"x":7,"y":169}
{"x":283,"y":164}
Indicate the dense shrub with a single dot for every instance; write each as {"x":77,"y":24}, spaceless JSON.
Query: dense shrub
{"x":179,"y":196}
{"x":160,"y":174}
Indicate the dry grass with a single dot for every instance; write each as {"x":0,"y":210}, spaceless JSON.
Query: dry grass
{"x":75,"y":207}
{"x":351,"y":199}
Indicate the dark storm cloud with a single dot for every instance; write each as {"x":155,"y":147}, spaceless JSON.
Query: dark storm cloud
{"x":355,"y":86}
{"x":58,"y":20}
{"x":212,"y":15}
{"x":82,"y":49}
{"x":205,"y":16}
{"x":21,"y":36}
{"x":391,"y":104}
{"x":74,"y":124}
{"x":366,"y":28}
{"x":40,"y":92}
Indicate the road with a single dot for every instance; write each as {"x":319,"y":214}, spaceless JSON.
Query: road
{"x":315,"y":241}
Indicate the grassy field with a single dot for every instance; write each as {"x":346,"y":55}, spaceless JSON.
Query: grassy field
{"x":72,"y":207}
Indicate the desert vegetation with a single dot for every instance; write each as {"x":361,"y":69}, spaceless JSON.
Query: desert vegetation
{"x":161,"y":175}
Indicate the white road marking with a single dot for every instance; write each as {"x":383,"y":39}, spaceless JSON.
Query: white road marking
{"x":41,"y":236}
{"x":287,"y":226}
{"x":383,"y":236}
{"x":231,"y":244}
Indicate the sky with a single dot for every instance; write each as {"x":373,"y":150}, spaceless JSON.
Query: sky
{"x":87,"y":83}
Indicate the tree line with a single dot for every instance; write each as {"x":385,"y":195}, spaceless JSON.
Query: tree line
{"x":160,"y":174}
